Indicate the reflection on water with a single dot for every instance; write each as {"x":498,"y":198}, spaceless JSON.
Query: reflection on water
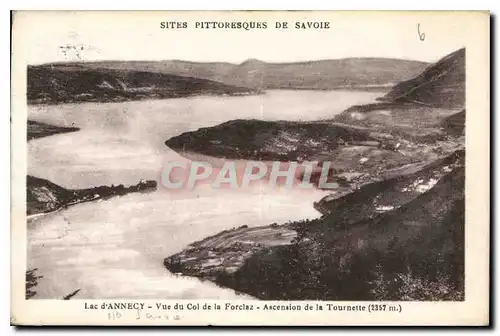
{"x":115,"y":248}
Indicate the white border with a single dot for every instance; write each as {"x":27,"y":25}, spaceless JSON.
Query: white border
{"x":186,"y":4}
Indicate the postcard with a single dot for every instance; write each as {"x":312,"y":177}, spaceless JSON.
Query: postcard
{"x":250,"y":168}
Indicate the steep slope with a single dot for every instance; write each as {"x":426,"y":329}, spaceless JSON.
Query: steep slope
{"x":427,"y":108}
{"x":320,"y":75}
{"x":395,"y":238}
{"x":327,"y":74}
{"x":440,"y":85}
{"x":414,"y":252}
{"x":69,"y":83}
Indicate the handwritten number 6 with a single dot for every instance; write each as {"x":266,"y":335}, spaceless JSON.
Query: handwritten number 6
{"x":420,"y":35}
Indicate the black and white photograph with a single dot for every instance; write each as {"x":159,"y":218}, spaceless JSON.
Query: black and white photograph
{"x":271,"y":159}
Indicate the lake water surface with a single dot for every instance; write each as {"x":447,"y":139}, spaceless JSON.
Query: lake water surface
{"x":115,"y":248}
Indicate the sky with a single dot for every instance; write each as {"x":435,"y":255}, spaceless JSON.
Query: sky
{"x":42,"y":37}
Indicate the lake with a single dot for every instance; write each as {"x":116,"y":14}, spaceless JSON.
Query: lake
{"x":115,"y":248}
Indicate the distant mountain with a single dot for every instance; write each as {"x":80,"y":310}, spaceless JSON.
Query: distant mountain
{"x":319,"y":75}
{"x":72,"y":83}
{"x":43,"y":196}
{"x":440,"y":85}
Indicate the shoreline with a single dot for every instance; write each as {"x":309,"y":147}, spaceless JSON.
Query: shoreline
{"x":243,"y":258}
{"x":43,"y":194}
{"x":32,"y":103}
{"x":259,"y":92}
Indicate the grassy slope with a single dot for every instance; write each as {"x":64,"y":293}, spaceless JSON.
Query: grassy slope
{"x":44,"y":196}
{"x":455,"y":124}
{"x":391,"y":192}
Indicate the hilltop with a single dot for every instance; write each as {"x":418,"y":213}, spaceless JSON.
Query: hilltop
{"x":44,"y":196}
{"x":74,"y":83}
{"x":440,"y":85}
{"x":345,"y":73}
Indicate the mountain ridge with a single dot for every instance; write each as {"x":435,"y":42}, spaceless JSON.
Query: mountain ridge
{"x":257,"y":74}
